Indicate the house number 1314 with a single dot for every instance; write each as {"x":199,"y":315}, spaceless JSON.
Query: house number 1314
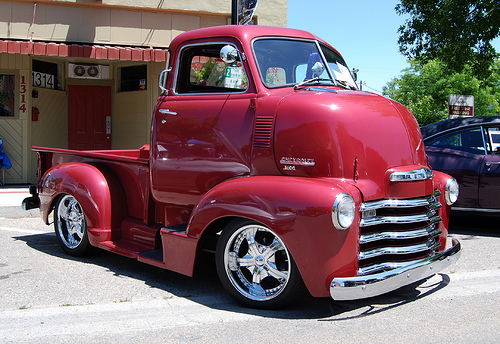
{"x":22,"y":93}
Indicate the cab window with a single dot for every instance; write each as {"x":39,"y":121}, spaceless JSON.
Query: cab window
{"x":202,"y":71}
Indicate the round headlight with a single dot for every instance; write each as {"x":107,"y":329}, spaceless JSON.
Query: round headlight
{"x":451,"y":192}
{"x":343,"y":212}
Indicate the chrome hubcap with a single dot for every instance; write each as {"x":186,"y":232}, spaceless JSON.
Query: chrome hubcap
{"x":71,"y":222}
{"x":257,"y":262}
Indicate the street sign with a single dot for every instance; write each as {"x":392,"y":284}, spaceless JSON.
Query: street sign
{"x":460,"y":106}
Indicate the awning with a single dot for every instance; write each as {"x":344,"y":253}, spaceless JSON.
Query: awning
{"x":99,"y":52}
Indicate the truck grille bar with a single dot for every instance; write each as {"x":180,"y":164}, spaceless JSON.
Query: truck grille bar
{"x":398,"y":232}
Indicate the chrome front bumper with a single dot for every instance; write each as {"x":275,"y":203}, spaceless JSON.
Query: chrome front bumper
{"x":352,"y":288}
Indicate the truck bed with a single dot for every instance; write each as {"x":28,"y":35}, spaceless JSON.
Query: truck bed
{"x":140,"y":155}
{"x":129,"y":167}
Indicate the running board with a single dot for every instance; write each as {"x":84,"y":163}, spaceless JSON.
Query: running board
{"x":154,"y":258}
{"x":123,"y":247}
{"x":178,"y":252}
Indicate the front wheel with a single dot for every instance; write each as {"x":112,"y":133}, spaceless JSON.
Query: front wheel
{"x":255,"y":267}
{"x":70,"y":225}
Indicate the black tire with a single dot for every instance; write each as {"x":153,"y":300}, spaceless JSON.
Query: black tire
{"x":70,"y":225}
{"x":255,"y":267}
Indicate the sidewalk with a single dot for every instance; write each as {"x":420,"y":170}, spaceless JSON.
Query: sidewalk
{"x":12,"y":196}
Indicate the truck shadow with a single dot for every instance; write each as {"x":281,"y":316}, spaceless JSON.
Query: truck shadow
{"x":204,"y":288}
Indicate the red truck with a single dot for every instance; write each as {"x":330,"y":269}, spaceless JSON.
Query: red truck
{"x":264,"y":153}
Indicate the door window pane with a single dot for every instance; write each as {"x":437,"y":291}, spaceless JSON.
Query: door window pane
{"x":468,"y":140}
{"x":202,"y":70}
{"x":7,"y":86}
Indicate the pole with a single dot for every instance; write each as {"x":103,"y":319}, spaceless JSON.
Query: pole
{"x":234,"y":12}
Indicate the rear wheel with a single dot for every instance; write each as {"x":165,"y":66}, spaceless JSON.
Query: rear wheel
{"x":70,"y":225}
{"x":255,"y":267}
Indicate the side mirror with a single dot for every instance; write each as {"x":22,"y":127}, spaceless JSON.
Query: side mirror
{"x":318,"y":69}
{"x":355,"y":74}
{"x":228,"y":54}
{"x":162,"y":82}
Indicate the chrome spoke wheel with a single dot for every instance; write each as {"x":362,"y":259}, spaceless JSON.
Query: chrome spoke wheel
{"x":255,"y":265}
{"x":71,"y":225}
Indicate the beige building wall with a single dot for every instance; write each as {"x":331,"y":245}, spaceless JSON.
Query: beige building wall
{"x":130,"y":23}
{"x":15,"y":131}
{"x":133,"y":112}
{"x":135,"y":23}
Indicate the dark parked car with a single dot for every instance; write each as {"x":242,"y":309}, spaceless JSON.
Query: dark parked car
{"x":469,"y":150}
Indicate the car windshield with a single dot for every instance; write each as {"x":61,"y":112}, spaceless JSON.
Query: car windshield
{"x":289,"y":62}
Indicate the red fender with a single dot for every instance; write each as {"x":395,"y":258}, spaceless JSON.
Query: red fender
{"x":96,"y":189}
{"x":296,"y":209}
{"x":440,"y":180}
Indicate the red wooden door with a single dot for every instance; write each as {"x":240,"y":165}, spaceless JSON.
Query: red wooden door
{"x":89,"y":117}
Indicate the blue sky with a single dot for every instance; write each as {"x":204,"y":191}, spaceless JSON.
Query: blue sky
{"x":365,"y":32}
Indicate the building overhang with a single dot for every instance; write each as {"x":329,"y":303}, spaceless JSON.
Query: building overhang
{"x":98,"y":52}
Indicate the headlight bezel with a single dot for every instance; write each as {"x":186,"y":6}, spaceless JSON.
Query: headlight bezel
{"x":343,"y":211}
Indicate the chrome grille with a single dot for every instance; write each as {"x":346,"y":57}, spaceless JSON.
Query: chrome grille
{"x":397,"y":232}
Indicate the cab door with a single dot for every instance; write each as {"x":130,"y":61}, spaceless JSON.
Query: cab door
{"x":489,"y":186}
{"x":195,"y":143}
{"x":489,"y":179}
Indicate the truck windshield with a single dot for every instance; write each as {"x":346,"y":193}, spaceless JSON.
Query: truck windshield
{"x":288,"y":62}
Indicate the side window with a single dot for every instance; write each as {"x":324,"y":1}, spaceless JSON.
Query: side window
{"x":7,"y":89}
{"x":202,"y":71}
{"x":207,"y":71}
{"x":132,"y":78}
{"x":468,"y":140}
{"x":338,"y":67}
{"x":493,"y":140}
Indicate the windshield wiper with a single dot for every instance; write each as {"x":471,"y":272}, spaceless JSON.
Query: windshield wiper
{"x":344,"y":84}
{"x":305,"y":82}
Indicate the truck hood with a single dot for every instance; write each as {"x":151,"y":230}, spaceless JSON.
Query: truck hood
{"x":353,"y":135}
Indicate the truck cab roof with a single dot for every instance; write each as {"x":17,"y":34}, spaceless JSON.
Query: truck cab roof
{"x":244,"y":33}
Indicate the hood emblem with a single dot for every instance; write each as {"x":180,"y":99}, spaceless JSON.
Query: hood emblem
{"x":297,"y":161}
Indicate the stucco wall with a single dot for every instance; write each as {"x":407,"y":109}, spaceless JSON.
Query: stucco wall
{"x":135,"y":23}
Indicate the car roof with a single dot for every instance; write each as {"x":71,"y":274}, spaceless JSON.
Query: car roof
{"x":435,"y":128}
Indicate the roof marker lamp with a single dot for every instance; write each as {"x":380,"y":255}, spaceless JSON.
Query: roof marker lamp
{"x":343,"y":212}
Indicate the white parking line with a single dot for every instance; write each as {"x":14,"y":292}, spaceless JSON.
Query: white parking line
{"x":22,"y":230}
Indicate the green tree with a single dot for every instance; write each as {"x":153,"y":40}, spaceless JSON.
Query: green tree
{"x":458,"y":32}
{"x":425,"y":87}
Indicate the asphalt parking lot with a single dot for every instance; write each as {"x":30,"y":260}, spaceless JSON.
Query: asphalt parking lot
{"x":49,"y":297}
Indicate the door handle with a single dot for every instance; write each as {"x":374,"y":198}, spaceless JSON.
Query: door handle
{"x":167,"y":112}
{"x":488,"y":164}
